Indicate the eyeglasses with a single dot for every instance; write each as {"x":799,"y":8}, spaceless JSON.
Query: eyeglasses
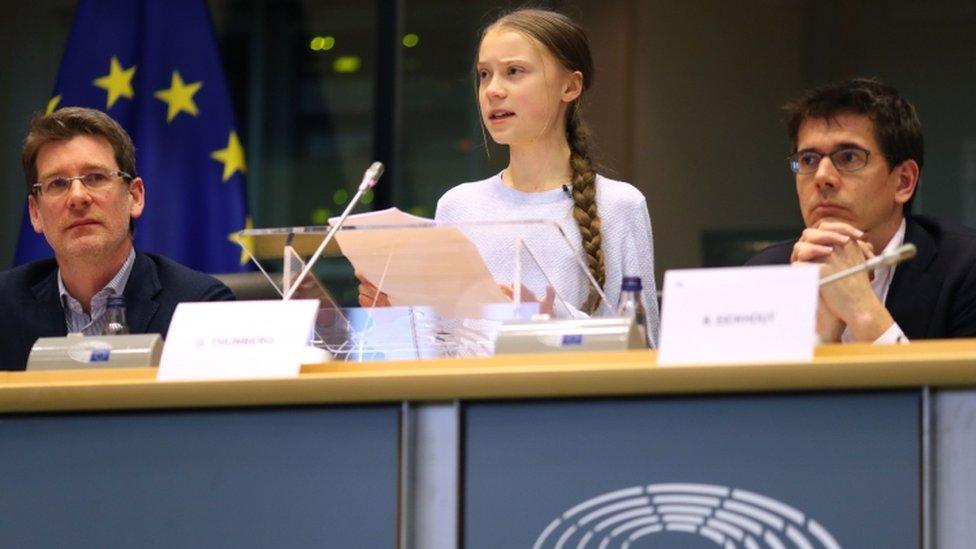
{"x":94,"y":181}
{"x":846,"y":160}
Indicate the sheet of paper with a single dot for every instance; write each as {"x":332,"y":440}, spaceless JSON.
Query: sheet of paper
{"x":389,"y":216}
{"x":420,"y":265}
{"x":237,"y":339}
{"x":739,"y":314}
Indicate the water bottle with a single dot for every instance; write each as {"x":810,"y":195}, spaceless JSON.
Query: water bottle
{"x":115,"y":323}
{"x":631,"y":305}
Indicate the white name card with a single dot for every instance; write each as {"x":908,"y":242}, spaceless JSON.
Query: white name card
{"x":739,"y":314}
{"x":237,"y":339}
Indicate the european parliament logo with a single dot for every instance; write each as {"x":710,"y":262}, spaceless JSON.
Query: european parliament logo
{"x":721,"y":516}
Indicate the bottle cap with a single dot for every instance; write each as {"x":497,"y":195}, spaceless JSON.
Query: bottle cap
{"x":631,"y":284}
{"x":116,"y":301}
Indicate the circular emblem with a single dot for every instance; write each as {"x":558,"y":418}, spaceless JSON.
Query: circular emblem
{"x":728,"y":517}
{"x":90,"y":351}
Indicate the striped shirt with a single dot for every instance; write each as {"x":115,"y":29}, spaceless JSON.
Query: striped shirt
{"x":75,"y":316}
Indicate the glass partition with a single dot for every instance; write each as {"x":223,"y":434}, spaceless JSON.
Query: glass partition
{"x":449,"y":286}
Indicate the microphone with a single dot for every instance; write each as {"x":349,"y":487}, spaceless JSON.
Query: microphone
{"x":372,"y":175}
{"x":898,"y":255}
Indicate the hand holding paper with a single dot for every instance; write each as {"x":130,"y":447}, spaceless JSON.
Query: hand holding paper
{"x":369,"y":294}
{"x":418,"y":262}
{"x":546,"y":304}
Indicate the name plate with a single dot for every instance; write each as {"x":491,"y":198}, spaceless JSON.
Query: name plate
{"x":237,"y":339}
{"x":739,"y":314}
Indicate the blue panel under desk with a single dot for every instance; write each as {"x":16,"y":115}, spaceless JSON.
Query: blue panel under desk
{"x":694,"y":472}
{"x":271,"y":477}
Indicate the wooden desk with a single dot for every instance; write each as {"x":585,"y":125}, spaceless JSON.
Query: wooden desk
{"x":937,"y":364}
{"x":915,"y":401}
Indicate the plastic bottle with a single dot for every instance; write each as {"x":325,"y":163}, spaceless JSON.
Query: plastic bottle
{"x":115,"y":323}
{"x":631,"y":305}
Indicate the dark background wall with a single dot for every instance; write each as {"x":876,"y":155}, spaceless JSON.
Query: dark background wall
{"x":686,"y":102}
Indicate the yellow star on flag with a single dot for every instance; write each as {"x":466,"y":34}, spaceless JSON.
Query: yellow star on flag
{"x":179,"y":97}
{"x":245,"y":242}
{"x":52,"y":105}
{"x":118,"y":82}
{"x":232,"y":157}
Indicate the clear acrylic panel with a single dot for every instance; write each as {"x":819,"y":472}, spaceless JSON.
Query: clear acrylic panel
{"x":450,"y":286}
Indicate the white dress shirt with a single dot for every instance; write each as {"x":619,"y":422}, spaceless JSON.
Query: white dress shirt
{"x":880,"y":285}
{"x":75,"y":317}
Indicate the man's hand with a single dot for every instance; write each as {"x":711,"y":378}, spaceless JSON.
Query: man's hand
{"x":829,"y":327}
{"x":369,"y":294}
{"x":849,"y":302}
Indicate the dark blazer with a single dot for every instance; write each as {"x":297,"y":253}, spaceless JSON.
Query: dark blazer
{"x":30,"y":306}
{"x":931,"y":296}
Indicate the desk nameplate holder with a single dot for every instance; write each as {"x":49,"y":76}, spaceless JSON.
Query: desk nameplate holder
{"x":562,"y":335}
{"x":76,"y":351}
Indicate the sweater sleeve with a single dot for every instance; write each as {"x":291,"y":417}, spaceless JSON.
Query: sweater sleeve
{"x":629,"y":248}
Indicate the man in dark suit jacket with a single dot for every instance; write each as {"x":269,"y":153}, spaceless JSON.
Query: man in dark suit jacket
{"x":857,"y":155}
{"x":155,"y":287}
{"x":84,"y":197}
{"x":934,"y":294}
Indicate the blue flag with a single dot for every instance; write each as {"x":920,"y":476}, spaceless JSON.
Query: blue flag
{"x":153,"y":66}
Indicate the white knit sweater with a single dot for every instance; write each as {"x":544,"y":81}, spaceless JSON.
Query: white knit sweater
{"x":626,"y":229}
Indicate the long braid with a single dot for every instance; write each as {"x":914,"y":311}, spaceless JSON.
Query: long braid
{"x":584,"y":201}
{"x":567,"y":42}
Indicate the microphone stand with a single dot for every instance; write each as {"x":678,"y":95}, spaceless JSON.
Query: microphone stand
{"x":370,"y":178}
{"x":899,"y":254}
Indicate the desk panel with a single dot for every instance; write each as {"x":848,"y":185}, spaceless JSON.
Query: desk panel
{"x":694,"y":472}
{"x":272,"y":477}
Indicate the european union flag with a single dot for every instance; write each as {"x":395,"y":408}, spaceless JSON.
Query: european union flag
{"x":153,"y":66}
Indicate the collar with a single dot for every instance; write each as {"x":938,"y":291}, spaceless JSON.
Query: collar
{"x":882,"y":277}
{"x":559,"y":194}
{"x":114,"y":286}
{"x":898,"y":239}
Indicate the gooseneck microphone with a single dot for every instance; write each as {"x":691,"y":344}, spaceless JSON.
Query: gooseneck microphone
{"x":899,"y":254}
{"x":372,"y":175}
{"x":370,"y":178}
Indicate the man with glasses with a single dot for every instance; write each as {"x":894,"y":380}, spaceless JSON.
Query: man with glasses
{"x":84,"y":196}
{"x":857,"y":155}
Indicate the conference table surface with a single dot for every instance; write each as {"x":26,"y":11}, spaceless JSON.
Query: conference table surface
{"x":935,"y":363}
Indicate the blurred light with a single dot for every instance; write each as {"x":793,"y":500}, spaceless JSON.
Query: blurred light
{"x":411,"y":40}
{"x":321,"y":216}
{"x":420,"y":210}
{"x":367,"y":197}
{"x":340,"y":197}
{"x":465,"y":144}
{"x":347,"y":64}
{"x":322,"y":43}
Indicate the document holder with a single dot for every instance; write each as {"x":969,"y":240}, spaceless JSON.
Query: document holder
{"x":443,"y":282}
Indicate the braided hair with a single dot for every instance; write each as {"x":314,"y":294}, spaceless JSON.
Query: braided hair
{"x":567,"y":42}
{"x":584,"y":201}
